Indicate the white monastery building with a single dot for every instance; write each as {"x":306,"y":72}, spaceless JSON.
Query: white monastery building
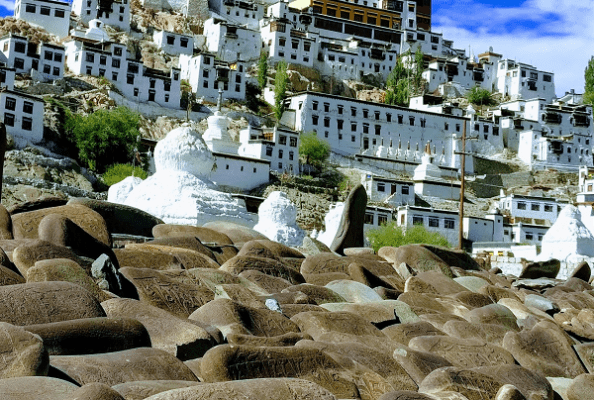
{"x":395,"y":192}
{"x":278,"y":145}
{"x":53,"y":16}
{"x":115,"y":13}
{"x":23,"y":55}
{"x":174,"y":43}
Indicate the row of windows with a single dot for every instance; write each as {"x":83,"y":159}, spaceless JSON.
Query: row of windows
{"x":10,"y":104}
{"x":381,"y":219}
{"x":26,"y":124}
{"x":31,"y":8}
{"x":241,"y":168}
{"x":183,"y":41}
{"x":529,"y":235}
{"x":434,"y":222}
{"x":377,"y":128}
{"x":19,"y":63}
{"x":283,"y":140}
{"x":206,"y":85}
{"x":535,"y":206}
{"x":280,"y":153}
{"x":381,"y":187}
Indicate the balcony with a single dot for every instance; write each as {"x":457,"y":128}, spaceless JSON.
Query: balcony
{"x":297,"y":33}
{"x":377,"y":54}
{"x":518,"y":124}
{"x":581,"y":120}
{"x":552,"y":118}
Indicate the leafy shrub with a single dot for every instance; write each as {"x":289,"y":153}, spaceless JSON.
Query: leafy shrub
{"x":314,"y":150}
{"x":118,"y":172}
{"x":393,"y":235}
{"x":105,"y":137}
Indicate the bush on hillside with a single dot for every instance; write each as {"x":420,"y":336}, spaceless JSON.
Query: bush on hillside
{"x":105,"y":137}
{"x":118,"y":172}
{"x":393,"y":235}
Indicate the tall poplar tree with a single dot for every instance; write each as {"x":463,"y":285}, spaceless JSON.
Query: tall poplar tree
{"x":589,"y":78}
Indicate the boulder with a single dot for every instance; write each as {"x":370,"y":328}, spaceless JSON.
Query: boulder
{"x":179,"y":337}
{"x":529,"y":383}
{"x":252,"y":389}
{"x":231,"y":317}
{"x":145,"y":258}
{"x":26,"y":255}
{"x":418,"y":364}
{"x":350,"y":228}
{"x":317,"y":324}
{"x":96,"y":391}
{"x":65,"y":270}
{"x":472,"y":384}
{"x":91,"y":335}
{"x":541,"y":269}
{"x":354,"y":292}
{"x":239,"y":234}
{"x":486,"y":333}
{"x":159,"y":290}
{"x":380,"y":313}
{"x":140,"y":390}
{"x":226,"y":363}
{"x":25,"y":225}
{"x":5,"y":224}
{"x":123,"y":366}
{"x":582,"y":271}
{"x":35,"y":388}
{"x":415,"y":256}
{"x":581,"y":388}
{"x":585,"y":352}
{"x":238,"y":264}
{"x":404,"y":332}
{"x":23,"y":353}
{"x":288,"y":339}
{"x":120,"y":218}
{"x":493,"y":314}
{"x":46,"y":302}
{"x":9,"y":277}
{"x":271,"y":284}
{"x":201,"y":257}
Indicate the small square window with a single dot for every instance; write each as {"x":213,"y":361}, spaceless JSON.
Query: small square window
{"x":28,"y":107}
{"x":47,"y":69}
{"x":56,"y":71}
{"x":27,"y":124}
{"x":59,"y":13}
{"x":135,"y":92}
{"x":44,"y":10}
{"x":8,"y":119}
{"x":114,"y":76}
{"x":434,"y":222}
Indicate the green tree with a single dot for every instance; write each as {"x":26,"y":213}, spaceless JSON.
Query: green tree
{"x":105,"y":137}
{"x":480,"y":97}
{"x":188,"y":97}
{"x":118,"y":172}
{"x":589,"y":79}
{"x":313,"y":150}
{"x":281,"y":81}
{"x":262,"y":70}
{"x":406,"y":79}
{"x":393,"y":235}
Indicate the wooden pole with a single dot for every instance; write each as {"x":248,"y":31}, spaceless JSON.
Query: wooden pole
{"x":462,"y":167}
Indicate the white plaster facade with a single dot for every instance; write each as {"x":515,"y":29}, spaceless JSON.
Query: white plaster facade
{"x":22,"y":55}
{"x":231,"y":42}
{"x":7,"y":76}
{"x":395,"y":192}
{"x":377,"y":216}
{"x":132,"y":78}
{"x":388,"y":132}
{"x":53,"y":16}
{"x":238,"y":172}
{"x":523,"y":81}
{"x":22,"y":114}
{"x":277,"y":145}
{"x":459,"y":70}
{"x":206,"y":74}
{"x":531,"y":207}
{"x":115,"y":13}
{"x":174,"y":43}
{"x":239,"y":12}
{"x":444,"y":222}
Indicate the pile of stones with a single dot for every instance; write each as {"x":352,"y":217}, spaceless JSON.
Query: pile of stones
{"x":104,"y":301}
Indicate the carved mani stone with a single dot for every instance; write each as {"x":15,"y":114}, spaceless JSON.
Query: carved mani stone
{"x":45,"y":302}
{"x":23,"y":353}
{"x":35,"y":388}
{"x":268,"y":266}
{"x":123,"y":366}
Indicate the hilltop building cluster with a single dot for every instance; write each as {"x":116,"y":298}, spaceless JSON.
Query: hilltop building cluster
{"x":355,"y":40}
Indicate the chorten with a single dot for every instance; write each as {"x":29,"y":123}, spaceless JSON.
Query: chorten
{"x":217,"y":137}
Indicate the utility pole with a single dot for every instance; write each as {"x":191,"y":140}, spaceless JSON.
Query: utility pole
{"x":469,"y":111}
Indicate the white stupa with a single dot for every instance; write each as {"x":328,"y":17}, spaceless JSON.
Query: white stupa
{"x":180,"y":192}
{"x":217,"y":137}
{"x":568,"y":239}
{"x":427,"y":170}
{"x":118,"y":193}
{"x":277,"y":220}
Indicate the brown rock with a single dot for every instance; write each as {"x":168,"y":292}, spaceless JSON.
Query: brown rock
{"x":405,"y":395}
{"x":238,"y":294}
{"x":486,"y":333}
{"x":581,"y":388}
{"x":377,"y":360}
{"x":26,"y":255}
{"x":387,"y":294}
{"x":96,"y":391}
{"x":439,"y":320}
{"x":324,"y":279}
{"x":268,"y":266}
{"x":582,"y":271}
{"x":472,"y":384}
{"x":24,"y":225}
{"x":35,"y":388}
{"x":529,"y":383}
{"x":271,"y":284}
{"x":141,"y":390}
{"x":65,"y":270}
{"x":317,"y":324}
{"x":509,"y":392}
{"x":417,"y":257}
{"x":545,"y":349}
{"x":139,"y":258}
{"x":23,"y":353}
{"x":222,"y":248}
{"x":318,"y":294}
{"x":230,"y":317}
{"x":252,"y":389}
{"x":91,"y":335}
{"x":498,"y":293}
{"x":541,"y":269}
{"x":45,"y":302}
{"x":421,"y":303}
{"x":585,"y":352}
{"x":226,"y":363}
{"x":493,"y":314}
{"x":418,"y":364}
{"x":361,"y":274}
{"x":327,"y":263}
{"x":577,"y":284}
{"x":462,"y":353}
{"x":288,"y":298}
{"x":288,"y":339}
{"x":9,"y":277}
{"x":403,"y":333}
{"x":290,"y":310}
{"x":159,"y":290}
{"x":444,"y":285}
{"x":473,"y":300}
{"x":417,"y":285}
{"x":37,"y":204}
{"x":579,"y":322}
{"x":380,"y":313}
{"x":121,"y":218}
{"x":123,"y":366}
{"x":188,"y":258}
{"x":61,"y":231}
{"x":179,"y":337}
{"x":5,"y":224}
{"x":350,"y":227}
{"x":239,"y":234}
{"x":268,"y":249}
